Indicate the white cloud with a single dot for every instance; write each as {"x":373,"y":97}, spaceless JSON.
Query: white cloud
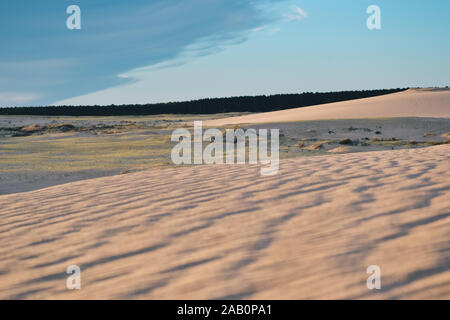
{"x":296,"y":14}
{"x":258,"y":29}
{"x":16,"y":98}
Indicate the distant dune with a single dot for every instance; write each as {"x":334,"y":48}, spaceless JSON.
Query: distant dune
{"x":227,"y":232}
{"x":433,"y":103}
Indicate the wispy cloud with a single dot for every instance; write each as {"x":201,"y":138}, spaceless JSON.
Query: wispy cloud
{"x":117,"y":37}
{"x":296,"y":13}
{"x":16,"y":98}
{"x":258,"y":29}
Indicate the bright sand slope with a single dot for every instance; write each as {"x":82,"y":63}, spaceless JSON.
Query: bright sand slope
{"x":227,"y":232}
{"x":411,"y":103}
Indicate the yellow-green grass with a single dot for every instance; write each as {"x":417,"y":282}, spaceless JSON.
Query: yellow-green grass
{"x":68,"y":152}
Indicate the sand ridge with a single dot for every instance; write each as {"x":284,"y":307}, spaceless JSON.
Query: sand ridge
{"x":203,"y":232}
{"x":409,"y":103}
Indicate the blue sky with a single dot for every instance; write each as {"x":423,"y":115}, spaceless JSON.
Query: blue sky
{"x":141,"y":51}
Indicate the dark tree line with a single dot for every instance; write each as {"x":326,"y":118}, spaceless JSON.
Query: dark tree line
{"x":203,"y":106}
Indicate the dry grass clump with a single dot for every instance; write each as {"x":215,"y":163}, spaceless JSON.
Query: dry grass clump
{"x":346,"y":141}
{"x":63,"y":127}
{"x":438,"y":143}
{"x":340,"y":150}
{"x":315,"y":146}
{"x":31,"y":128}
{"x":50,"y":128}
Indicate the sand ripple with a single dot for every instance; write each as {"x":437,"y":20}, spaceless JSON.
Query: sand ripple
{"x":226,"y":232}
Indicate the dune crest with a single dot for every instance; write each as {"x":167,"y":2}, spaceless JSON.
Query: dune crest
{"x":410,"y":103}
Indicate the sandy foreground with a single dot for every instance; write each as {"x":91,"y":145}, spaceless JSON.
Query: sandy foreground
{"x":224,"y":231}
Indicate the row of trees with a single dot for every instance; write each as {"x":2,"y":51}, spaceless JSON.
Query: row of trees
{"x":203,"y":106}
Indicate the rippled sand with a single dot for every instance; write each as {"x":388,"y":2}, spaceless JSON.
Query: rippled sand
{"x":227,"y":232}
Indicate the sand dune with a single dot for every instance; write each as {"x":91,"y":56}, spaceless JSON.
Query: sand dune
{"x":226,"y":232}
{"x":410,"y":103}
